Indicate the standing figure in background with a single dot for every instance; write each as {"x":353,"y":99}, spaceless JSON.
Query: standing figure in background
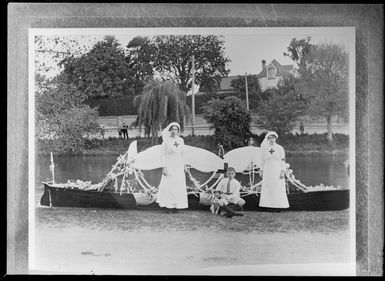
{"x":273,"y":192}
{"x":125,"y":131}
{"x":172,"y":192}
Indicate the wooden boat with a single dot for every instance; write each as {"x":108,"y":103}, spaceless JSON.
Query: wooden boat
{"x":330,"y":200}
{"x":119,"y":192}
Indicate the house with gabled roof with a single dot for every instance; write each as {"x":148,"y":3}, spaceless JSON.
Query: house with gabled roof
{"x":274,"y":72}
{"x":268,"y":78}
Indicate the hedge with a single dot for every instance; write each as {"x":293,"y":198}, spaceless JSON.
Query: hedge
{"x":124,"y":105}
{"x":113,"y":106}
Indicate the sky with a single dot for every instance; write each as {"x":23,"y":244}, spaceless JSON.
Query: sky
{"x":245,"y":47}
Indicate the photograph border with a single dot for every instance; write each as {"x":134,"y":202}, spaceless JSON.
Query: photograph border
{"x":369,"y":85}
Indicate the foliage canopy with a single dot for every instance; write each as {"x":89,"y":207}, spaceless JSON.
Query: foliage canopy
{"x":282,"y":108}
{"x":102,"y":72}
{"x":169,"y":56}
{"x":230,"y":119}
{"x":324,"y":78}
{"x":62,"y":117}
{"x":161,"y":103}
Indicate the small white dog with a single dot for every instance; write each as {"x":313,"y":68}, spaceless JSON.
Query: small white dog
{"x":215,"y":202}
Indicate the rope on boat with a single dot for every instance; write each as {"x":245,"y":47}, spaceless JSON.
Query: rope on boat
{"x":212,"y":176}
{"x":141,"y":184}
{"x":123,"y":184}
{"x":194,"y":193}
{"x":251,"y":191}
{"x":144,"y":180}
{"x":193,"y":180}
{"x":108,"y":177}
{"x":215,"y":183}
{"x":203,"y":184}
{"x":295,"y":184}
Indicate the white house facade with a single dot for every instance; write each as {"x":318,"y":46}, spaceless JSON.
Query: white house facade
{"x":268,"y":78}
{"x":273,"y":73}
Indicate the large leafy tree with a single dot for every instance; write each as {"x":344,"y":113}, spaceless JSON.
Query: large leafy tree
{"x":298,"y":50}
{"x":230,"y":119}
{"x":253,"y":89}
{"x":141,"y":58}
{"x":102,"y":72}
{"x":160,"y":103}
{"x":50,"y":50}
{"x":324,"y":79}
{"x":62,"y":117}
{"x":170,"y":57}
{"x":283,"y":107}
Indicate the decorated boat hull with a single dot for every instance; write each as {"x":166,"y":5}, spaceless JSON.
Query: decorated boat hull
{"x":329,"y":200}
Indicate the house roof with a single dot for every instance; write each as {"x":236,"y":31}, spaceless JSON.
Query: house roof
{"x":281,"y":69}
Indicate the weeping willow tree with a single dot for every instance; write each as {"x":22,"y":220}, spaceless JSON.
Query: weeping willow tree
{"x":160,"y":103}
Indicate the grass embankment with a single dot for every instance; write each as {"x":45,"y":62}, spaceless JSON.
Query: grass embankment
{"x":294,"y":145}
{"x":187,"y":220}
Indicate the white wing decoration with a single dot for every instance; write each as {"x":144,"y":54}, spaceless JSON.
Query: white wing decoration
{"x":149,"y":159}
{"x":240,"y":158}
{"x":198,"y":158}
{"x":202,"y":160}
{"x":132,"y":150}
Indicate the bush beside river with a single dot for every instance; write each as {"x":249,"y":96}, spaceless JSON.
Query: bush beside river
{"x":294,"y":145}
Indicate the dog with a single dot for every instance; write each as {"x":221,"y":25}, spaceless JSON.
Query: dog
{"x":215,"y":202}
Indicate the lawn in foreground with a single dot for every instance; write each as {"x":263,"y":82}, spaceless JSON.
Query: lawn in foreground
{"x":151,"y":242}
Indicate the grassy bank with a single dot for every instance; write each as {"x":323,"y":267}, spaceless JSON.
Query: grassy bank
{"x":295,"y":145}
{"x":87,"y":241}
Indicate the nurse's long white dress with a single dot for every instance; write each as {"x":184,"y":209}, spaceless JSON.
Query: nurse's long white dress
{"x":273,"y":192}
{"x":172,"y":188}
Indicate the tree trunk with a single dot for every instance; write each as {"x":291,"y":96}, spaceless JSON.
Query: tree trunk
{"x":184,"y":116}
{"x":329,"y":129}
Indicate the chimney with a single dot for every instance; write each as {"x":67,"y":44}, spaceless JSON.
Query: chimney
{"x":263,"y":64}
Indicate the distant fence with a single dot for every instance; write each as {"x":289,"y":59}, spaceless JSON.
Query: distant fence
{"x":112,"y":123}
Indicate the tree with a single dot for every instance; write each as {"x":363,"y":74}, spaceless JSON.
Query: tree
{"x":102,"y":72}
{"x":62,"y":117}
{"x":253,"y":88}
{"x":299,"y":50}
{"x":141,"y":58}
{"x":160,"y":104}
{"x":324,"y":81}
{"x":170,"y":57}
{"x":50,"y":50}
{"x":282,"y":108}
{"x":230,"y":119}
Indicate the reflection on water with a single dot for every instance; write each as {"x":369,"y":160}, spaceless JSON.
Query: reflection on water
{"x":309,"y":170}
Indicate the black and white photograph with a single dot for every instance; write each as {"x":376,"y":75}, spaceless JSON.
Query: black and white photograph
{"x":193,"y":151}
{"x":194,"y":140}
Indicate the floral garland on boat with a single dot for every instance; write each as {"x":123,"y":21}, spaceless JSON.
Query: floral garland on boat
{"x":304,"y":188}
{"x":124,"y":168}
{"x":78,"y":184}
